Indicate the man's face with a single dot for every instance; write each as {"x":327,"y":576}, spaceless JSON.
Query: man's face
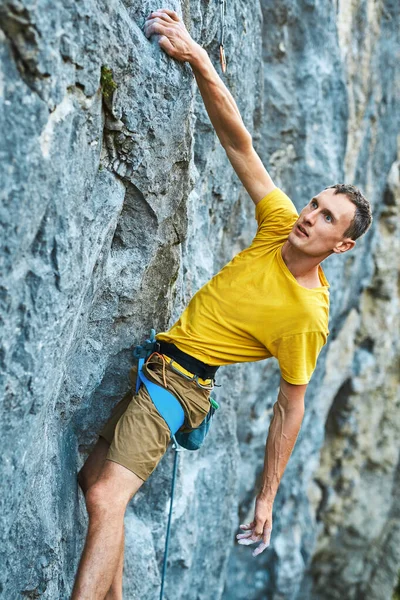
{"x":324,"y":221}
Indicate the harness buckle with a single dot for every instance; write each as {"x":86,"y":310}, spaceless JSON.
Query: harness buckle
{"x":148,"y":347}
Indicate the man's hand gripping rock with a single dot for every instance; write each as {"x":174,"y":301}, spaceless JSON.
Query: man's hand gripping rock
{"x":172,"y":35}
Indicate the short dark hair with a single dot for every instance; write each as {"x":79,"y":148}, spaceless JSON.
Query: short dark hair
{"x":363,"y":216}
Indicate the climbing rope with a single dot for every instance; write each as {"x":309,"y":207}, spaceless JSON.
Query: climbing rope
{"x":164,"y":569}
{"x":222,"y":58}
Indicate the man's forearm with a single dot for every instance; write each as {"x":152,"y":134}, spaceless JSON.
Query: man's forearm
{"x":219,"y":102}
{"x":283,"y":431}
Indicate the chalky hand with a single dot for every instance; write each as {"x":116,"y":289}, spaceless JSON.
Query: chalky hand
{"x":250,"y":537}
{"x":259,"y":530}
{"x":171,"y":34}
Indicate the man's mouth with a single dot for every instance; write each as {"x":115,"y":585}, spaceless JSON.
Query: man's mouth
{"x":302,"y":230}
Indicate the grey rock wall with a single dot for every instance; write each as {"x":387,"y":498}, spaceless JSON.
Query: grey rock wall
{"x":115,"y":208}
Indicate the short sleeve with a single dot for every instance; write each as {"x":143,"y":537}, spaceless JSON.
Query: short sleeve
{"x":275,"y":214}
{"x":297,"y":355}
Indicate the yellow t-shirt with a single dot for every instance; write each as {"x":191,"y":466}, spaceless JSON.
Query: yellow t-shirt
{"x":254,"y":308}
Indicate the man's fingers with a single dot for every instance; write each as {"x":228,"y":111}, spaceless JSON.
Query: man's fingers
{"x":155,"y":27}
{"x":247,"y":541}
{"x":241,"y":536}
{"x":165,"y":44}
{"x":248,"y":538}
{"x":150,"y":22}
{"x":170,"y":13}
{"x":260,"y":549}
{"x":267,"y":534}
{"x":160,"y":15}
{"x":251,"y":536}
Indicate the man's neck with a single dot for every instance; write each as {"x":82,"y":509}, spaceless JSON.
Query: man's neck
{"x":305,"y":269}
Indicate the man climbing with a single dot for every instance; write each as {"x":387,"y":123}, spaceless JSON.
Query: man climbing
{"x":272,"y":299}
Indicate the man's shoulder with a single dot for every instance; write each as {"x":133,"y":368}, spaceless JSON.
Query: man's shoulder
{"x":275,"y":215}
{"x":276,"y":201}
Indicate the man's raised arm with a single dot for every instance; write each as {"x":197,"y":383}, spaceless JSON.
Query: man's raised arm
{"x":224,"y":114}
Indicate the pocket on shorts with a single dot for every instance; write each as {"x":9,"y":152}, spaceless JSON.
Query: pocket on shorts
{"x":196,"y":404}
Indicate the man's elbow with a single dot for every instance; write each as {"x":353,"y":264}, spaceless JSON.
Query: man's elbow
{"x":292,"y":396}
{"x":238,"y":141}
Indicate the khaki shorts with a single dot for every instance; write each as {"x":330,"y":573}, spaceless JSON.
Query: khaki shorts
{"x":137,"y":434}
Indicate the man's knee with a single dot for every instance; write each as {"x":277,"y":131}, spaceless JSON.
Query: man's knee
{"x":100,"y":500}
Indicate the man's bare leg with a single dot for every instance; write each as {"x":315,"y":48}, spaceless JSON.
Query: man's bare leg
{"x":106,"y":501}
{"x":87,"y":476}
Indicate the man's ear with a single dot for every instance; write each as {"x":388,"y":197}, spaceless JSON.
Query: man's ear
{"x":344,"y":246}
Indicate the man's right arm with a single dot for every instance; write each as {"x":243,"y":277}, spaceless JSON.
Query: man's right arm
{"x":228,"y":124}
{"x":224,"y":114}
{"x":288,"y":412}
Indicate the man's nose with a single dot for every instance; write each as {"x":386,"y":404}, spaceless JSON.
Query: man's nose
{"x":310,"y":217}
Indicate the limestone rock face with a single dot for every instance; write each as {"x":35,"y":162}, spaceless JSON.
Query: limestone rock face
{"x":117,"y":204}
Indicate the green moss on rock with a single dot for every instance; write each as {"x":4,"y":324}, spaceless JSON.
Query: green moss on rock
{"x":107,"y":82}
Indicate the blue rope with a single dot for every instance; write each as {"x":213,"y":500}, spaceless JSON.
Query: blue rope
{"x":164,"y":569}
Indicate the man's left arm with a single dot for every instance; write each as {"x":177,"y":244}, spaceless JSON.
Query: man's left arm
{"x":288,"y":412}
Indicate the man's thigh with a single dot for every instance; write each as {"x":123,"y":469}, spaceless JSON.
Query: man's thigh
{"x":118,"y":483}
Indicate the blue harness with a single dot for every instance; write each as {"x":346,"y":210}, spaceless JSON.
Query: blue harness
{"x":166,"y":403}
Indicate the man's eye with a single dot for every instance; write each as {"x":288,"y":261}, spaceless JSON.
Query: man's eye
{"x":329,"y":217}
{"x":312,"y":202}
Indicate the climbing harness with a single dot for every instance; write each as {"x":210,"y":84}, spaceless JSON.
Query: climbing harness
{"x":188,"y":362}
{"x":222,"y":58}
{"x":167,"y":405}
{"x":206,"y":384}
{"x":172,"y":412}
